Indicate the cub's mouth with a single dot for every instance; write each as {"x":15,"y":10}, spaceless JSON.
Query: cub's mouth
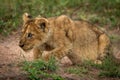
{"x":25,"y":48}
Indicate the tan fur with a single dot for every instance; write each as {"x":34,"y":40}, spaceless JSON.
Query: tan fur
{"x":61,"y":36}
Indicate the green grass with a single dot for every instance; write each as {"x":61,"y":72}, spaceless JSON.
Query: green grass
{"x":81,"y":71}
{"x":108,"y":68}
{"x":40,"y":70}
{"x":102,"y":12}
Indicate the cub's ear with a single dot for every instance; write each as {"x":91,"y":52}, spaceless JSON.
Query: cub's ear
{"x":26,"y":17}
{"x":42,"y":23}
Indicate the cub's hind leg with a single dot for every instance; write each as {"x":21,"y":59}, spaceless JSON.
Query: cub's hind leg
{"x":104,"y":43}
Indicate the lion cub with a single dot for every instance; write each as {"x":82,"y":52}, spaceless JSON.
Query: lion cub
{"x":60,"y":36}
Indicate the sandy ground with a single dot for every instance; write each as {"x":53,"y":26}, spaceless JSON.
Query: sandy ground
{"x":10,"y":56}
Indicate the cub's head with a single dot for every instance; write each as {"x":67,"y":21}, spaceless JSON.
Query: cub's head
{"x":34,"y":32}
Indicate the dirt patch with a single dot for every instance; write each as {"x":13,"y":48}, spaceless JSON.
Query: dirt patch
{"x":10,"y":56}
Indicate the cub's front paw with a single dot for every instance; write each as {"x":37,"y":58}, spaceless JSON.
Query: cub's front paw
{"x":46,"y":55}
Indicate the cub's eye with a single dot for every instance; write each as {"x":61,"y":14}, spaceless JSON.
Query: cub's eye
{"x":29,"y":35}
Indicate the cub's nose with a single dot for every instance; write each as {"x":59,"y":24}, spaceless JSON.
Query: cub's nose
{"x":21,"y":44}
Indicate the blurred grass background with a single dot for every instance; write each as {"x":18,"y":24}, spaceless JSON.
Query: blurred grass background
{"x":102,"y":12}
